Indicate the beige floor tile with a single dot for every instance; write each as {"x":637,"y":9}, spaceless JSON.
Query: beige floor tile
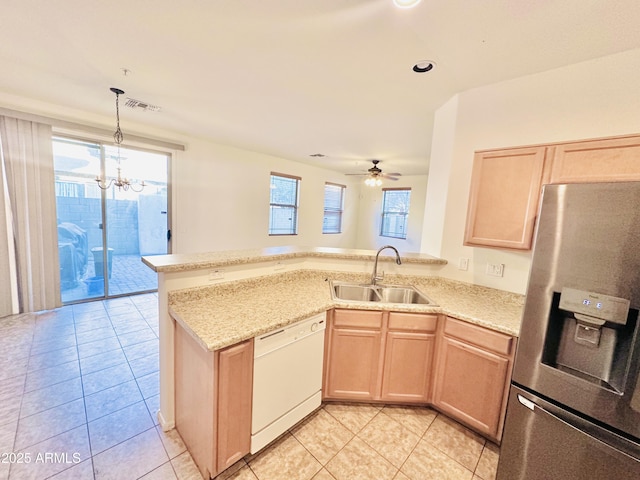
{"x":119,"y":426}
{"x":163,"y":472}
{"x":458,"y":442}
{"x":358,"y":461}
{"x":42,"y":399}
{"x":285,"y":459}
{"x":47,"y":424}
{"x":172,"y":442}
{"x":401,"y":476}
{"x":322,"y":435}
{"x":354,"y":417}
{"x":428,"y":463}
{"x":488,"y":464}
{"x":81,"y":471}
{"x":416,"y":419}
{"x":131,"y":459}
{"x":185,"y":467}
{"x":242,"y":473}
{"x":323,"y":475}
{"x":54,"y":455}
{"x":389,"y":438}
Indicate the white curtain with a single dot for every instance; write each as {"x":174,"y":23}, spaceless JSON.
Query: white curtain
{"x":28,"y":218}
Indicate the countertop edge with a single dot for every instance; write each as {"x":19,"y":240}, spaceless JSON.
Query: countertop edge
{"x":197,"y":261}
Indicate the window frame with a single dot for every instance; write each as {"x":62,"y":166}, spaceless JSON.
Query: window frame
{"x":386,"y":213}
{"x":333,"y":211}
{"x":294,"y":206}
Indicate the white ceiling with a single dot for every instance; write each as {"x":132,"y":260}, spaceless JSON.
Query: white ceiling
{"x":296,"y":77}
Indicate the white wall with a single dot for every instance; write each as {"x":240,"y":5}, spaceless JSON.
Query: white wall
{"x":592,"y":99}
{"x":370,"y":212}
{"x":222,"y":201}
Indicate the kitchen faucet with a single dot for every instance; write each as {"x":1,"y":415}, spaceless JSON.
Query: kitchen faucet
{"x":374,"y":275}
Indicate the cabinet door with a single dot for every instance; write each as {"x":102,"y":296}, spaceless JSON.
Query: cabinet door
{"x":353,"y":359}
{"x":504,"y":195}
{"x":407,"y":367}
{"x":602,"y":160}
{"x":235,"y":376}
{"x":470,"y":385}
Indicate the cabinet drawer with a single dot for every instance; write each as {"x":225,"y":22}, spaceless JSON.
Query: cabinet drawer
{"x":357,"y":318}
{"x":413,"y":322}
{"x":482,"y":337}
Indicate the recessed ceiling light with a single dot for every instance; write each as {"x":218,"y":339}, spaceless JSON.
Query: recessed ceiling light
{"x":406,"y":3}
{"x":424,"y":66}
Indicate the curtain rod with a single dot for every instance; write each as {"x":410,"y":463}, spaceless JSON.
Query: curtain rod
{"x":55,"y":122}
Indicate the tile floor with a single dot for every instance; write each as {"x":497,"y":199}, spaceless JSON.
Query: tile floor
{"x":79,"y":392}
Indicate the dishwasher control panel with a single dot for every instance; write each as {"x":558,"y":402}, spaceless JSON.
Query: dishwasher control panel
{"x":277,"y":338}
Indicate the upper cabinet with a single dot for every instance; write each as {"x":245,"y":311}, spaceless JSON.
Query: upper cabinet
{"x":604,"y":160}
{"x":503,"y":201}
{"x":506,"y":184}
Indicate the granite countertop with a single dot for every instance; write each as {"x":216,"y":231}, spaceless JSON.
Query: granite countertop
{"x":192,"y":261}
{"x":224,"y":314}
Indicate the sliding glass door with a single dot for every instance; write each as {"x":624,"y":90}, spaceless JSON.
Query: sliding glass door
{"x":102,"y":234}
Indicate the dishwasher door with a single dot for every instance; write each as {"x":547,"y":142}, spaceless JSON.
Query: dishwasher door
{"x":287,"y":378}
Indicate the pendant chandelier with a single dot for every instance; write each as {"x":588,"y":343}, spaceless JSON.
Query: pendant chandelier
{"x":121,"y":182}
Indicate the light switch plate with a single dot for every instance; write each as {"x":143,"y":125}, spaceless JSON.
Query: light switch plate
{"x":463,"y":263}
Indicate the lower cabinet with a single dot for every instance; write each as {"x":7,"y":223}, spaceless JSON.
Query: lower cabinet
{"x":394,"y":357}
{"x":234,"y":367}
{"x":473,"y":371}
{"x":213,"y":401}
{"x":379,"y":356}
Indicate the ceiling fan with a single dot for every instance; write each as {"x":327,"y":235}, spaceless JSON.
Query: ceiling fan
{"x":375,"y":175}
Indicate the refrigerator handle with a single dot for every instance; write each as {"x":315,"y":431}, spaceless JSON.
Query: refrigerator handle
{"x":611,"y":443}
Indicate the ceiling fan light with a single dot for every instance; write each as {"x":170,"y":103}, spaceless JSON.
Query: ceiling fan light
{"x":406,"y":3}
{"x":378,"y":182}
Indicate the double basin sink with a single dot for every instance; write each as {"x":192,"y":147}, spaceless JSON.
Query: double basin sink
{"x":403,"y":294}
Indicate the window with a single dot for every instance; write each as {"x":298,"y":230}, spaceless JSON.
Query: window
{"x":395,"y":210}
{"x":283,"y":204}
{"x":333,"y":206}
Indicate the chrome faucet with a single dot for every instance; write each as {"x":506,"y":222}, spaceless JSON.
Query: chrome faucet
{"x":374,"y":275}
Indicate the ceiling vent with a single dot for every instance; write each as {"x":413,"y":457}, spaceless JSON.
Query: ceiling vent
{"x":139,"y":105}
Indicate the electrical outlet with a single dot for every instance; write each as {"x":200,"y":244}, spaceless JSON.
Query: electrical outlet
{"x":463,"y":263}
{"x":216,"y":275}
{"x":495,"y":269}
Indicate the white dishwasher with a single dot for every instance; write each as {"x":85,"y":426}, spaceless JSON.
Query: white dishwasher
{"x":287,"y":378}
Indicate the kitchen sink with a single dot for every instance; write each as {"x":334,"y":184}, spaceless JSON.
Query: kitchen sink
{"x":357,"y":293}
{"x":404,"y":294}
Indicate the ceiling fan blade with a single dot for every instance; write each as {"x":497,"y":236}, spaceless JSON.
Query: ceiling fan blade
{"x":361,"y":174}
{"x":387,"y":177}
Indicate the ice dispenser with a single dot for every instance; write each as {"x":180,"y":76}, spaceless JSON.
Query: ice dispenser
{"x":591,"y":336}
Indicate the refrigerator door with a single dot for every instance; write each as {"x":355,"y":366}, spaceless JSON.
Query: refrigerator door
{"x":586,"y":244}
{"x":542,"y":442}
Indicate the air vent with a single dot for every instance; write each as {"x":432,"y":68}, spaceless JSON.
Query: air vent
{"x":138,"y":105}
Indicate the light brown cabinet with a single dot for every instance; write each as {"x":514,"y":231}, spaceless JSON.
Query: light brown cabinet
{"x":379,"y":356}
{"x":600,"y":160}
{"x":503,"y":200}
{"x":472,"y":376}
{"x":234,"y":369}
{"x":506,"y":184}
{"x":213,"y":401}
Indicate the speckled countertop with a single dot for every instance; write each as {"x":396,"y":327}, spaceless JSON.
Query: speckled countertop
{"x":192,"y":261}
{"x":224,"y":314}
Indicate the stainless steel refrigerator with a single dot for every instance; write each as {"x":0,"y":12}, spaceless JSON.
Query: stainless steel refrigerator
{"x":574,"y":403}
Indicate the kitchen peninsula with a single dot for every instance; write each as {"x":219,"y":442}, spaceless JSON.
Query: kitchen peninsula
{"x":221,"y":299}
